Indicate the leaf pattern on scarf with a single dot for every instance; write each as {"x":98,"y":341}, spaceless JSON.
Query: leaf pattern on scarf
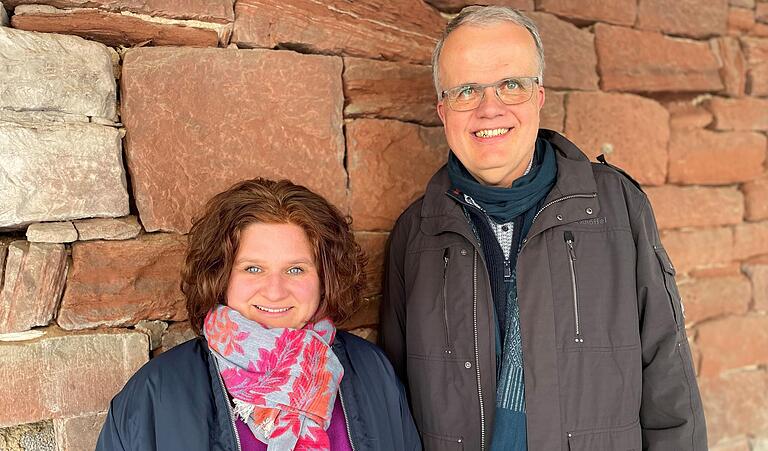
{"x":222,"y":333}
{"x":316,"y":439}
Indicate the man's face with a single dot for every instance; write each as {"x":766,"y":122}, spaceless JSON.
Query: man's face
{"x":473,"y":54}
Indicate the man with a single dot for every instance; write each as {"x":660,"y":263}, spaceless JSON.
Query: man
{"x":528,"y":301}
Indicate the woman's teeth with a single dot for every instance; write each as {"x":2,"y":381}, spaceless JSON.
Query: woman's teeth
{"x":491,"y":133}
{"x":272,"y":310}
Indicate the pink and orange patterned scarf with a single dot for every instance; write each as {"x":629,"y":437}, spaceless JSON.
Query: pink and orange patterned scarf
{"x":283,"y":381}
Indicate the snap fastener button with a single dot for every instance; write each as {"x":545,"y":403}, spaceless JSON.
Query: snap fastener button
{"x":589,"y":211}
{"x":463,"y":252}
{"x":467,"y":365}
{"x":559,"y":217}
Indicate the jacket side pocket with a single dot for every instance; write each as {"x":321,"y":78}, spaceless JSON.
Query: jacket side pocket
{"x":435,"y":442}
{"x":626,"y":438}
{"x":669,"y":282}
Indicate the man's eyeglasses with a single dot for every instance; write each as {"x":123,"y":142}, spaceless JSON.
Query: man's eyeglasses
{"x":510,"y":91}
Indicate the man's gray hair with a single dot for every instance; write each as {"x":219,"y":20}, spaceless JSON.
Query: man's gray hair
{"x":487,"y":15}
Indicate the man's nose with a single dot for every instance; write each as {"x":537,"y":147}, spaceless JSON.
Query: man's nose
{"x":490,"y":106}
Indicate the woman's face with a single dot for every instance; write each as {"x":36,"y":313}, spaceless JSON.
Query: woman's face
{"x":274,"y":278}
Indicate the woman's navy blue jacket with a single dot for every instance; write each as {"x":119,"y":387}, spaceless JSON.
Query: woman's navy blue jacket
{"x":178,"y":402}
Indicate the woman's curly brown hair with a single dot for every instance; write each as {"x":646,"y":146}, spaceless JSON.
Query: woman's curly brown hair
{"x":214,"y":239}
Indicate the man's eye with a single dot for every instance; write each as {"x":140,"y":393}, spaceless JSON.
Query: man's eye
{"x":466,"y":92}
{"x":295,"y":270}
{"x":253,"y":269}
{"x":511,"y":85}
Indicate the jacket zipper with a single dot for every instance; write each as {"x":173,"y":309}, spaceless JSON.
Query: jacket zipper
{"x":229,"y":408}
{"x":477,"y":352}
{"x":346,"y":420}
{"x":446,"y":259}
{"x":568,"y":236}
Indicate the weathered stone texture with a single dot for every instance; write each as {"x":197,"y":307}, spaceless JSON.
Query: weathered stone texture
{"x":643,"y":61}
{"x":748,"y":113}
{"x":631,"y":131}
{"x":154,"y":331}
{"x":389,"y":165}
{"x":78,"y":433}
{"x":687,"y":114}
{"x":711,"y":158}
{"x":176,"y":334}
{"x":676,"y":206}
{"x":732,"y":342}
{"x":734,"y":403}
{"x":64,"y":375}
{"x":454,"y":6}
{"x":742,"y":3}
{"x":389,"y":90}
{"x":761,"y":12}
{"x":758,"y":275}
{"x":220,"y":11}
{"x":47,"y":72}
{"x":698,"y":248}
{"x":756,"y":199}
{"x":28,"y":437}
{"x":750,"y":239}
{"x":108,"y":228}
{"x":552,"y":115}
{"x":715,"y":297}
{"x":374,"y":246}
{"x":377,"y":29}
{"x":734,"y":66}
{"x":571,"y":62}
{"x":52,"y":232}
{"x":221,"y":132}
{"x":740,"y":21}
{"x":32,"y":285}
{"x":118,"y":283}
{"x":756,"y":52}
{"x":115,"y":29}
{"x":694,"y":18}
{"x":57,"y":171}
{"x":367,"y":315}
{"x":619,"y":12}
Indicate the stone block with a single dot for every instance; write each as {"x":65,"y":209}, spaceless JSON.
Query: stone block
{"x":367,"y":315}
{"x":377,"y":29}
{"x":389,"y":90}
{"x":734,"y":67}
{"x":760,"y":30}
{"x":64,"y":375}
{"x":78,"y":433}
{"x":108,"y":228}
{"x":620,"y":12}
{"x":119,"y":283}
{"x":732,"y":444}
{"x":28,"y":437}
{"x":692,"y":18}
{"x":761,"y":12}
{"x":722,"y":270}
{"x":571,"y":62}
{"x":60,"y":171}
{"x":712,"y":158}
{"x":758,"y":276}
{"x":756,"y":199}
{"x":742,"y":3}
{"x":154,"y":331}
{"x":678,"y":206}
{"x":734,"y":403}
{"x":176,"y":334}
{"x":747,"y":113}
{"x":698,"y":248}
{"x":631,"y":131}
{"x":169,"y":102}
{"x":118,"y":29}
{"x":750,"y":239}
{"x":644,"y":61}
{"x":389,"y":165}
{"x":454,"y":6}
{"x":733,"y":342}
{"x":756,"y":53}
{"x":219,"y":11}
{"x":687,"y":113}
{"x":714,"y":297}
{"x":48,"y":72}
{"x":740,"y":21}
{"x":52,"y":232}
{"x":374,"y":245}
{"x":33,"y":282}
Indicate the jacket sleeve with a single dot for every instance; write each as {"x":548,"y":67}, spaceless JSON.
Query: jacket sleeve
{"x":671,"y":414}
{"x":392,"y":318}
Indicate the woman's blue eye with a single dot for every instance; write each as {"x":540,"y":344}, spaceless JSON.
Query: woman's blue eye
{"x":253,"y":269}
{"x":295,"y":270}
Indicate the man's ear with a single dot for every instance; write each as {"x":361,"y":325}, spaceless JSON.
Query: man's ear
{"x":541,"y":97}
{"x":441,"y":110}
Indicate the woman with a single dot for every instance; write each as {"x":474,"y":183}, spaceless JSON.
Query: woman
{"x":271,"y":266}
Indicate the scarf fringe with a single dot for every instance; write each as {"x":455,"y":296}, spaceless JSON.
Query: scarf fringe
{"x":243,"y":409}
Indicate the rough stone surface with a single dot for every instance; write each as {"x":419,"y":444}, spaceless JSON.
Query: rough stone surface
{"x":290,"y":133}
{"x":634,"y":60}
{"x":366,"y":333}
{"x":47,"y":72}
{"x":571,"y":62}
{"x":722,"y":270}
{"x":64,"y":375}
{"x":374,"y":245}
{"x":742,"y":3}
{"x":114,"y":29}
{"x":52,"y":232}
{"x":619,"y":12}
{"x":698,"y":248}
{"x":761,"y":12}
{"x":376,"y":29}
{"x":454,"y":6}
{"x":631,"y":131}
{"x":734,"y":67}
{"x":552,"y":114}
{"x":714,"y":297}
{"x":366,"y":316}
{"x":389,"y":90}
{"x":176,"y":334}
{"x":108,"y":228}
{"x":4,"y":22}
{"x":389,"y":165}
{"x":748,"y":113}
{"x":58,"y":171}
{"x":730,"y":444}
{"x":687,"y":114}
{"x":750,"y":239}
{"x":28,"y":437}
{"x":756,"y":199}
{"x":759,"y":30}
{"x":756,"y":53}
{"x":710,"y":158}
{"x":33,"y":282}
{"x":676,"y":206}
{"x":78,"y":433}
{"x":758,"y":275}
{"x":119,"y":283}
{"x":734,"y":403}
{"x":693,"y":18}
{"x":740,"y":20}
{"x":733,"y":342}
{"x":154,"y":331}
{"x":205,"y":10}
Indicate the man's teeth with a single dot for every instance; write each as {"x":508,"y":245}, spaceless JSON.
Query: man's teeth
{"x":272,"y":310}
{"x":491,"y":133}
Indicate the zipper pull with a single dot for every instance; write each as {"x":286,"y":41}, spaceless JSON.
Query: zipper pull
{"x":446,"y":258}
{"x":507,"y":270}
{"x":568,"y":235}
